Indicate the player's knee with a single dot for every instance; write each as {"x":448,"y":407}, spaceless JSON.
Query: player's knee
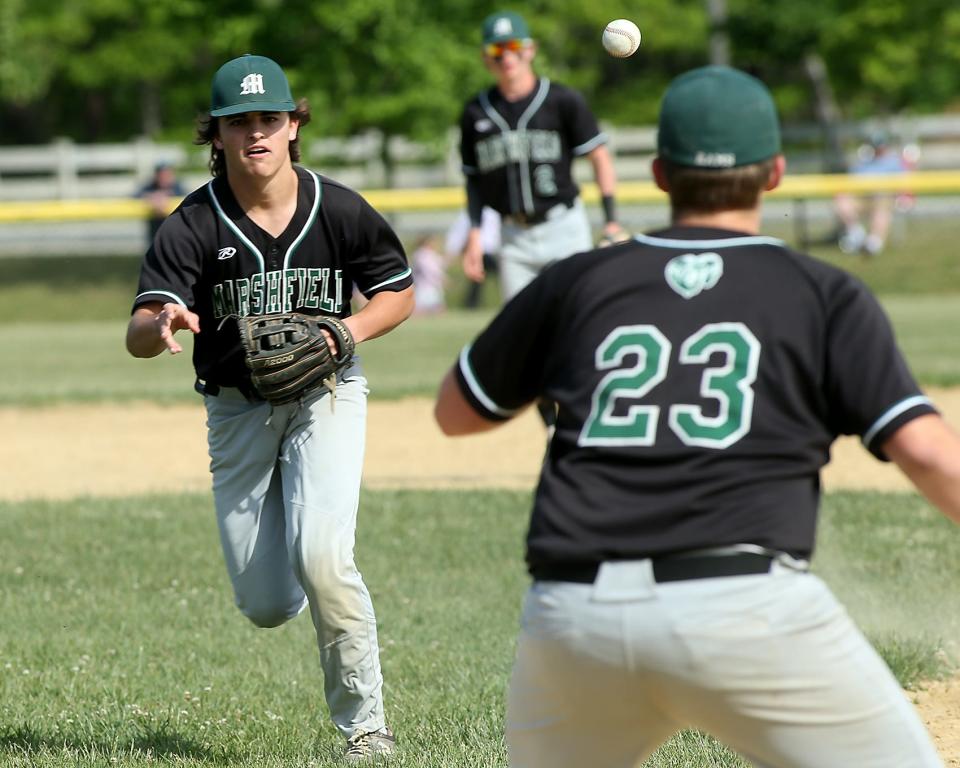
{"x":269,"y":613}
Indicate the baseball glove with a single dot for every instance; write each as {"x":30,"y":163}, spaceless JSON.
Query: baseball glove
{"x":620,"y":236}
{"x":288,"y":355}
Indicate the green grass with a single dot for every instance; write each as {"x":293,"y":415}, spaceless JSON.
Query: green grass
{"x":62,"y":322}
{"x":86,"y":360}
{"x":885,"y":554}
{"x":120,"y":645}
{"x":920,"y":259}
{"x":65,"y":289}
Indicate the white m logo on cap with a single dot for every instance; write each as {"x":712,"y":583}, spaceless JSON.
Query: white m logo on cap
{"x":252,"y":83}
{"x":503,"y":27}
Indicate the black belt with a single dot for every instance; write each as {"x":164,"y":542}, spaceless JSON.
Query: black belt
{"x":212,"y":388}
{"x":528,"y":220}
{"x":671,"y":568}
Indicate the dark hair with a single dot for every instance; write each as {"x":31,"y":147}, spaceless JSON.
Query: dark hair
{"x":708,"y":190}
{"x":207,"y":132}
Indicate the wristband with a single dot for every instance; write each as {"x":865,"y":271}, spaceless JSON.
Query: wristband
{"x":609,"y":208}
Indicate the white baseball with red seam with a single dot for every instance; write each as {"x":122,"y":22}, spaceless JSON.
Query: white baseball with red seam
{"x":621,"y":38}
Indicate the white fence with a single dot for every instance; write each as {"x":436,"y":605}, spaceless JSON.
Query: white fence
{"x":66,"y":171}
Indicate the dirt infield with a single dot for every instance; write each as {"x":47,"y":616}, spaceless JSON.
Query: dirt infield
{"x":116,"y":450}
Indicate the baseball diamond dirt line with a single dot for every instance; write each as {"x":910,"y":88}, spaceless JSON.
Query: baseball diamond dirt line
{"x":72,"y":450}
{"x":65,"y":451}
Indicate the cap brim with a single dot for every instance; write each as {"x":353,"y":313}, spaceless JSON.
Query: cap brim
{"x":254,"y":106}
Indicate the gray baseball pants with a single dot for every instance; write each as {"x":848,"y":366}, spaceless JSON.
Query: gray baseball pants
{"x":286,"y":484}
{"x":526,"y":250}
{"x":769,"y":664}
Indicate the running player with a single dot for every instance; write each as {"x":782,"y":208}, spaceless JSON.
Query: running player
{"x":702,"y":373}
{"x":268,"y":236}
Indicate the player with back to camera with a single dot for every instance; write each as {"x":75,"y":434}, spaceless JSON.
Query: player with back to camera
{"x":267,"y":236}
{"x":518,"y":141}
{"x":702,"y":372}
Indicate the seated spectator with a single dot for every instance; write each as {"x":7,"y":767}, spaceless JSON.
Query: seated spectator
{"x":866,"y":220}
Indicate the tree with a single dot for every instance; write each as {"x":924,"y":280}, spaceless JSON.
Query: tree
{"x":112,"y":69}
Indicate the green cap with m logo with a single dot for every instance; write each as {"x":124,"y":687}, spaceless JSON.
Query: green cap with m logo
{"x":505,"y":25}
{"x":250,"y":84}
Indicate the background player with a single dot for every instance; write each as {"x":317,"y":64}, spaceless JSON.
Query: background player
{"x":702,"y":373}
{"x":518,"y":140}
{"x":267,"y":236}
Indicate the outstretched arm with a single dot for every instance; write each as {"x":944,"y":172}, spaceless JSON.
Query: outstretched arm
{"x":153,"y":325}
{"x":928,"y":452}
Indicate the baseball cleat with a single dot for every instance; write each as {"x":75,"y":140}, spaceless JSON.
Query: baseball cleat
{"x":367,"y":746}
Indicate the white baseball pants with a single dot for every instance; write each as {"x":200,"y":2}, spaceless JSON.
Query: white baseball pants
{"x":286,"y":484}
{"x":771,"y":665}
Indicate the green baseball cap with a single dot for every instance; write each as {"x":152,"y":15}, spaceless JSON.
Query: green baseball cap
{"x":250,"y":84}
{"x":505,"y":25}
{"x":717,"y":117}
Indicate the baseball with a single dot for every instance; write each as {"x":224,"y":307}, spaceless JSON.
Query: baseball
{"x":621,"y":38}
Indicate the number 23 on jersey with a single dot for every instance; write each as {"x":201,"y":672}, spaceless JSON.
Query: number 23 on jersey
{"x":729,"y":383}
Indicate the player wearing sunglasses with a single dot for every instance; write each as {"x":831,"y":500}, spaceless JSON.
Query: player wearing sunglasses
{"x":518,"y":140}
{"x":496,"y":51}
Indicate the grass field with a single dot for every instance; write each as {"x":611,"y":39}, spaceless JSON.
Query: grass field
{"x":62,"y":322}
{"x":120,"y":644}
{"x":85,"y":360}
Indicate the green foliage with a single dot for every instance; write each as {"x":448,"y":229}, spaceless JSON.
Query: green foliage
{"x":883,"y":56}
{"x":120,"y":644}
{"x":111,"y":69}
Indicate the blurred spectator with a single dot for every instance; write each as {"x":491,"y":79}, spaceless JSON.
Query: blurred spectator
{"x":866,"y":220}
{"x":429,"y":276}
{"x":490,"y":241}
{"x":159,"y":193}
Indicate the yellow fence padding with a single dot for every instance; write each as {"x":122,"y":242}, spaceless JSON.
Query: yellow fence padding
{"x":800,"y":186}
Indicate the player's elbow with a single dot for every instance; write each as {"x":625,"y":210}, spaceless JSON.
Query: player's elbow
{"x":456,"y":418}
{"x":454,"y":414}
{"x":442,"y":415}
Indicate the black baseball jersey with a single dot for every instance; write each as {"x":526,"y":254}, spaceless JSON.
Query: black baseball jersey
{"x":521,"y":152}
{"x":701,"y":377}
{"x":214,"y":260}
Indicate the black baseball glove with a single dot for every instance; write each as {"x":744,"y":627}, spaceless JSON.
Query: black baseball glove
{"x":288,"y":355}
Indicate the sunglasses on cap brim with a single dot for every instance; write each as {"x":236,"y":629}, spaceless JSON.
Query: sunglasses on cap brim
{"x":496,"y":50}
